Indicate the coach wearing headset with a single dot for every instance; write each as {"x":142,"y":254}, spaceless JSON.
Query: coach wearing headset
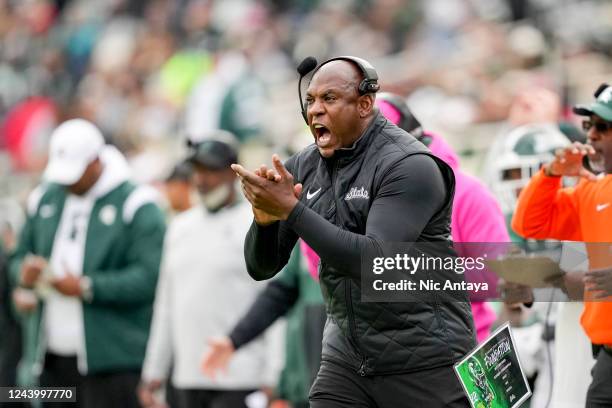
{"x":363,"y":182}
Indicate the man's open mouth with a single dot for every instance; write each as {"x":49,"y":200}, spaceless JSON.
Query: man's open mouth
{"x":322,"y":134}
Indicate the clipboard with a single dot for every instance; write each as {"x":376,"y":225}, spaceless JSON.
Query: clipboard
{"x":533,"y":271}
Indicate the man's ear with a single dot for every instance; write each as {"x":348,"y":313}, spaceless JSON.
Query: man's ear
{"x":365,"y":105}
{"x":97,"y":165}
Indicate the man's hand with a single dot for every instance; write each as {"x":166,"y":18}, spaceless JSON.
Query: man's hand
{"x":31,"y":269}
{"x":599,"y":282}
{"x":271,"y":193}
{"x":146,"y":394}
{"x":68,"y":285}
{"x":25,"y":300}
{"x":266,"y":173}
{"x":272,"y":175}
{"x":278,"y":403}
{"x":515,"y":294}
{"x":571,"y":283}
{"x":217,"y":356}
{"x":261,"y":217}
{"x":568,"y":162}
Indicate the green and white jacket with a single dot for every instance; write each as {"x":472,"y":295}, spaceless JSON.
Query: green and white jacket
{"x":122,"y":252}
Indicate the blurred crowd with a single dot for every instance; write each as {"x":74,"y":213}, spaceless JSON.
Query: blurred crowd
{"x":161,"y":77}
{"x":152,"y":73}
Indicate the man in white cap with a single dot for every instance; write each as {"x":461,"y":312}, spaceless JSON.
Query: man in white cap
{"x":88,"y":260}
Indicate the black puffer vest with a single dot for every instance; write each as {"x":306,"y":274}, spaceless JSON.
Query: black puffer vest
{"x":380,"y":338}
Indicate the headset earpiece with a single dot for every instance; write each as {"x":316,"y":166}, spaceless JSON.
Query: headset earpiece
{"x":367,"y":86}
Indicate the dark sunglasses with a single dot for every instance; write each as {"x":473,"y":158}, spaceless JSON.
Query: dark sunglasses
{"x":601,"y":127}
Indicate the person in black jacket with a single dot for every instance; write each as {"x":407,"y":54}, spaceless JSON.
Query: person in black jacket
{"x":365,"y":182}
{"x":10,"y":341}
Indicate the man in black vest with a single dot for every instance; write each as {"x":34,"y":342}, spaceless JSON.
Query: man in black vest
{"x":364,"y":182}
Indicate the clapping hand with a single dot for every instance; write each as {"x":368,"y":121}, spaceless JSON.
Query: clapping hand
{"x":271,"y":192}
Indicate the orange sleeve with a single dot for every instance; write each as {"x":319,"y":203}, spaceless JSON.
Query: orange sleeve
{"x":547,"y":211}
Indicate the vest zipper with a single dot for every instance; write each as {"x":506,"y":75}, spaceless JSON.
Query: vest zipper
{"x":347,"y":288}
{"x":351,"y":322}
{"x":361,"y":371}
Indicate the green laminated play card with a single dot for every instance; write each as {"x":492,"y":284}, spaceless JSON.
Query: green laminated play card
{"x":491,"y":374}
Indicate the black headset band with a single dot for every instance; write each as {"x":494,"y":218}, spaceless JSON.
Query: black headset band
{"x":368,"y":70}
{"x":369,"y":84}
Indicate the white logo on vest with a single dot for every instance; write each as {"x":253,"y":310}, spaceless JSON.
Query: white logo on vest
{"x":47,"y":210}
{"x":357,"y":193}
{"x":108,"y":213}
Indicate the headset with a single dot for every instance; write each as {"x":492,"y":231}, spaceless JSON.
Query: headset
{"x":369,"y":83}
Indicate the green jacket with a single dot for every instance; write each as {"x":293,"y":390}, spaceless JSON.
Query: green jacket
{"x":122,"y":254}
{"x":304,"y":332}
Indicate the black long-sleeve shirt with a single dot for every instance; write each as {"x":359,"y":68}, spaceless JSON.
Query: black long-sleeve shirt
{"x":273,"y":302}
{"x":409,"y":195}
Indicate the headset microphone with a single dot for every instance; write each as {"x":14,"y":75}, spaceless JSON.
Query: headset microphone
{"x":306,"y":66}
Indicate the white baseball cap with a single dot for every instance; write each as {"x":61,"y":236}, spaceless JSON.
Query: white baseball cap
{"x":73,"y":146}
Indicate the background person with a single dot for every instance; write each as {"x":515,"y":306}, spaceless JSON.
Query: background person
{"x":295,"y":293}
{"x":90,"y":248}
{"x":203,"y":290}
{"x":545,"y":210}
{"x":476,"y":216}
{"x":10,"y":344}
{"x":178,"y":187}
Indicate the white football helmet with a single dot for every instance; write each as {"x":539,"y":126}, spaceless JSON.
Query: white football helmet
{"x":518,"y":155}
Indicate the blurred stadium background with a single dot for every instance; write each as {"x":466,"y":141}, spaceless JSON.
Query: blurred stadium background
{"x":152,"y":74}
